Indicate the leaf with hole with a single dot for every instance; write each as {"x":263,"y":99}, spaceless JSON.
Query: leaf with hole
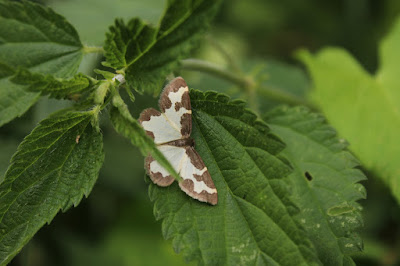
{"x":364,"y":108}
{"x":253,"y":221}
{"x":324,"y":182}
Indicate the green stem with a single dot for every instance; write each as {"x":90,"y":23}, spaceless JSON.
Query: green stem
{"x":230,"y":60}
{"x":216,"y":70}
{"x":93,"y":49}
{"x":245,"y":82}
{"x":122,"y":107}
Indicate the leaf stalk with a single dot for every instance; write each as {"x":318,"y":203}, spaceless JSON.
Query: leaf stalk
{"x":247,"y":83}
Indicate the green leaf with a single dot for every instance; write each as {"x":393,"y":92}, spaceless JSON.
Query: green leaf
{"x":84,"y":15}
{"x":253,"y":223}
{"x":14,"y":100}
{"x":148,"y":54}
{"x":36,"y":38}
{"x":364,"y":108}
{"x":55,"y":165}
{"x":130,"y":128}
{"x":54,"y":87}
{"x":324,"y":182}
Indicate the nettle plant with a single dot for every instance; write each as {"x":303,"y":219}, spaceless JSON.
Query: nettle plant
{"x":287,"y":186}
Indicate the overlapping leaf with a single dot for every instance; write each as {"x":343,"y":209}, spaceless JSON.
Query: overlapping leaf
{"x":53,"y":168}
{"x":252,"y":224}
{"x":147,"y":54}
{"x":324,"y":182}
{"x":33,"y":37}
{"x":54,"y":87}
{"x":365,"y":109}
{"x":132,"y":130}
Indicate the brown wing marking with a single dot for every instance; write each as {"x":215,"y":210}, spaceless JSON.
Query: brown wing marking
{"x":174,"y":85}
{"x":157,"y":178}
{"x":165,"y":103}
{"x":187,"y":185}
{"x":145,"y":115}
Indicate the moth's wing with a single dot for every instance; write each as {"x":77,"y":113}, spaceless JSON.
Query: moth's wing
{"x":175,"y":104}
{"x":197,"y":181}
{"x":157,"y":173}
{"x":158,"y":127}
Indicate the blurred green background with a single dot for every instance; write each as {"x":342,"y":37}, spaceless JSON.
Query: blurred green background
{"x":115,"y":225}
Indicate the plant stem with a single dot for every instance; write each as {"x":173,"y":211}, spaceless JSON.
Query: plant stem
{"x":214,"y":69}
{"x":93,"y":49}
{"x":245,"y":82}
{"x":119,"y":103}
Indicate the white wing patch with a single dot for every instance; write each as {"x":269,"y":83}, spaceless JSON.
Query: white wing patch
{"x":180,"y":161}
{"x":167,"y":126}
{"x":188,"y":171}
{"x":173,"y":154}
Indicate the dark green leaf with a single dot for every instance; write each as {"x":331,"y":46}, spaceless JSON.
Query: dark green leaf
{"x":253,"y":223}
{"x":55,"y":165}
{"x":54,"y":87}
{"x":325,"y":182}
{"x":148,"y":54}
{"x":36,"y":38}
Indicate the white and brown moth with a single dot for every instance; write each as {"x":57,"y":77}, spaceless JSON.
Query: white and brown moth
{"x":171,"y":129}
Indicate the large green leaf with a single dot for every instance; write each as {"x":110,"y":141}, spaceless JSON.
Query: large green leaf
{"x":33,"y":37}
{"x":253,"y":223}
{"x":324,"y":180}
{"x":55,"y":165}
{"x":147,"y":54}
{"x":364,"y":108}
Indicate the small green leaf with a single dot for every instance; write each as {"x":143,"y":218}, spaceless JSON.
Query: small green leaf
{"x":14,"y":100}
{"x":54,"y":87}
{"x":148,"y":54}
{"x":130,"y":128}
{"x":364,"y":108}
{"x":55,"y":165}
{"x":106,"y":74}
{"x":324,"y":182}
{"x":33,"y":37}
{"x":253,"y":223}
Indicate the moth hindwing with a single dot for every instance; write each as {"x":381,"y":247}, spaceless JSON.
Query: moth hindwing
{"x":171,"y":129}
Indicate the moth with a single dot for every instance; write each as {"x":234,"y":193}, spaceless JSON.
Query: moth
{"x":171,"y":129}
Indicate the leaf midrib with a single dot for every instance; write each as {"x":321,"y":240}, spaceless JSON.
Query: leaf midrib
{"x":234,"y":196}
{"x":157,"y":39}
{"x":24,"y":240}
{"x":28,"y":166}
{"x":34,"y":26}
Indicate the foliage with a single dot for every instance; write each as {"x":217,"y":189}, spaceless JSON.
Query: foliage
{"x":364,"y":108}
{"x":53,"y":168}
{"x":288,"y":188}
{"x":253,"y":206}
{"x":325,"y":183}
{"x":146,"y":54}
{"x":36,"y":38}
